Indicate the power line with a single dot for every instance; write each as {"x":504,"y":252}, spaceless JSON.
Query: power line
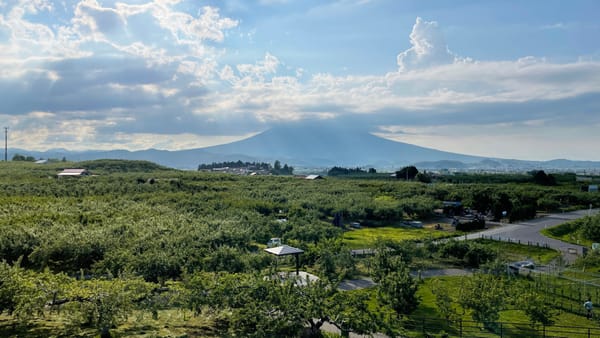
{"x":5,"y":144}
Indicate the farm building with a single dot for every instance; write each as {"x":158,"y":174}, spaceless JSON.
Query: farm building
{"x":73,"y":173}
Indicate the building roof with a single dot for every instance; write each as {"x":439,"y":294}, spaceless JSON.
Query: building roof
{"x":313,"y":177}
{"x":284,"y":250}
{"x":73,"y":172}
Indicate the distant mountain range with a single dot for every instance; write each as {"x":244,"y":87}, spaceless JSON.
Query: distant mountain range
{"x":320,"y":146}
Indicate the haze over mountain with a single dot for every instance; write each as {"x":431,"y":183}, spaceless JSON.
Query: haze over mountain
{"x":317,"y":146}
{"x":328,"y":145}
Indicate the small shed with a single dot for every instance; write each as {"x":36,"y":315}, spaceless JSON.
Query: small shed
{"x":314,"y":177}
{"x":73,"y":173}
{"x":286,"y":250}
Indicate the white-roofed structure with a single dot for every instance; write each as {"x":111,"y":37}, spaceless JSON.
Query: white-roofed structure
{"x":73,"y":172}
{"x":286,"y":250}
{"x":314,"y":177}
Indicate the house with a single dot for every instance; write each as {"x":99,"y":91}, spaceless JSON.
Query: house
{"x":314,"y":177}
{"x":73,"y":173}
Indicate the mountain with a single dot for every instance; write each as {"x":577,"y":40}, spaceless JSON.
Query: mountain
{"x":318,"y":146}
{"x":326,"y":146}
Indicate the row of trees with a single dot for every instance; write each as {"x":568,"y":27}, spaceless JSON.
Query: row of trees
{"x":275,"y":169}
{"x":256,"y":304}
{"x":341,"y":171}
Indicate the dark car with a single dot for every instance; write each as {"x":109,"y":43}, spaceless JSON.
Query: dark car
{"x":516,"y":266}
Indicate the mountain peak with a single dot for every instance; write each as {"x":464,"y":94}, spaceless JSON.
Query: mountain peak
{"x":328,"y":144}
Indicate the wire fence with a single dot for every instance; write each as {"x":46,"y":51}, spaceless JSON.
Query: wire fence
{"x":516,"y":241}
{"x":435,"y":327}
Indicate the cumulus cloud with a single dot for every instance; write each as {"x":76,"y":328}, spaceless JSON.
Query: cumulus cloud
{"x":428,"y":47}
{"x":108,"y":68}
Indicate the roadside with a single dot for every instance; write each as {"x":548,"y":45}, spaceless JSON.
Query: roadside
{"x":529,"y":232}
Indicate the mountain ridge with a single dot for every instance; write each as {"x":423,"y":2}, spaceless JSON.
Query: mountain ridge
{"x":317,"y":146}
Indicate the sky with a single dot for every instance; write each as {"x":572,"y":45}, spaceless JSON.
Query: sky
{"x":509,"y":79}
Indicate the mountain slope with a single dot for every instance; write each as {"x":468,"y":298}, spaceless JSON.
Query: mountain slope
{"x":326,"y":146}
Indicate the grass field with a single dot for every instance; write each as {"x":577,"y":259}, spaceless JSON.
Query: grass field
{"x":518,"y":252}
{"x":366,"y":237}
{"x":567,"y":232}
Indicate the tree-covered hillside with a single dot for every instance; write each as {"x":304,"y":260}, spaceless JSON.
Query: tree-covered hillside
{"x":150,"y":235}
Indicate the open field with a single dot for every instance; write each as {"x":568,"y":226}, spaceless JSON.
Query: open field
{"x":367,"y":237}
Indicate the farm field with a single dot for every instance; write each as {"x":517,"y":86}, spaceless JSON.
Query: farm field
{"x":136,"y":249}
{"x":367,"y":237}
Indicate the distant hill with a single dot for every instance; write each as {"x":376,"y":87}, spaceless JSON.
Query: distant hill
{"x":112,"y":165}
{"x":318,"y":146}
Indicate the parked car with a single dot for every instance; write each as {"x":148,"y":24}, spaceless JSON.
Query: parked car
{"x":355,"y":225}
{"x":516,"y":266}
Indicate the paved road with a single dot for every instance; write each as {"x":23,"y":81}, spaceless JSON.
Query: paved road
{"x":529,"y":231}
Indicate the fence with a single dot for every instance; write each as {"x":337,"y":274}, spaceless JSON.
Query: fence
{"x":435,"y":327}
{"x":516,"y":241}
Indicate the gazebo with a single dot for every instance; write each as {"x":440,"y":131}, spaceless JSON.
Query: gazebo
{"x":286,"y":250}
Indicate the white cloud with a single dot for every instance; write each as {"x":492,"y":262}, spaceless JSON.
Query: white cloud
{"x":558,"y":25}
{"x":428,"y":47}
{"x":260,"y":70}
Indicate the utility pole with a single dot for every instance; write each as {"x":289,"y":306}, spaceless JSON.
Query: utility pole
{"x":5,"y":144}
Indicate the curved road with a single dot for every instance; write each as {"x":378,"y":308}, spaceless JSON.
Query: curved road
{"x":529,"y":231}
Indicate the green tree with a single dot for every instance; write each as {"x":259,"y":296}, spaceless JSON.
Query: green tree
{"x":396,"y":287}
{"x":349,"y":312}
{"x":407,"y":173}
{"x":106,"y":303}
{"x":443,"y":300}
{"x":535,"y":306}
{"x":590,"y":228}
{"x":423,"y":177}
{"x":485,"y":296}
{"x":22,"y":158}
{"x":541,"y":178}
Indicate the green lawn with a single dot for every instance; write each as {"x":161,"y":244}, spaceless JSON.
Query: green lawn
{"x":366,"y":237}
{"x":518,"y":252}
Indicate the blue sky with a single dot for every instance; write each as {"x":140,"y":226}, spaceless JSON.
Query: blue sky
{"x":512,"y":79}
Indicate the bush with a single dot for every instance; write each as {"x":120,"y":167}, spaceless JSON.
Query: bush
{"x":478,"y":255}
{"x":591,"y":228}
{"x":457,"y":249}
{"x":475,"y":224}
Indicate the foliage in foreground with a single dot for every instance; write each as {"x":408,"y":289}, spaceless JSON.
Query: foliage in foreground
{"x":582,"y":231}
